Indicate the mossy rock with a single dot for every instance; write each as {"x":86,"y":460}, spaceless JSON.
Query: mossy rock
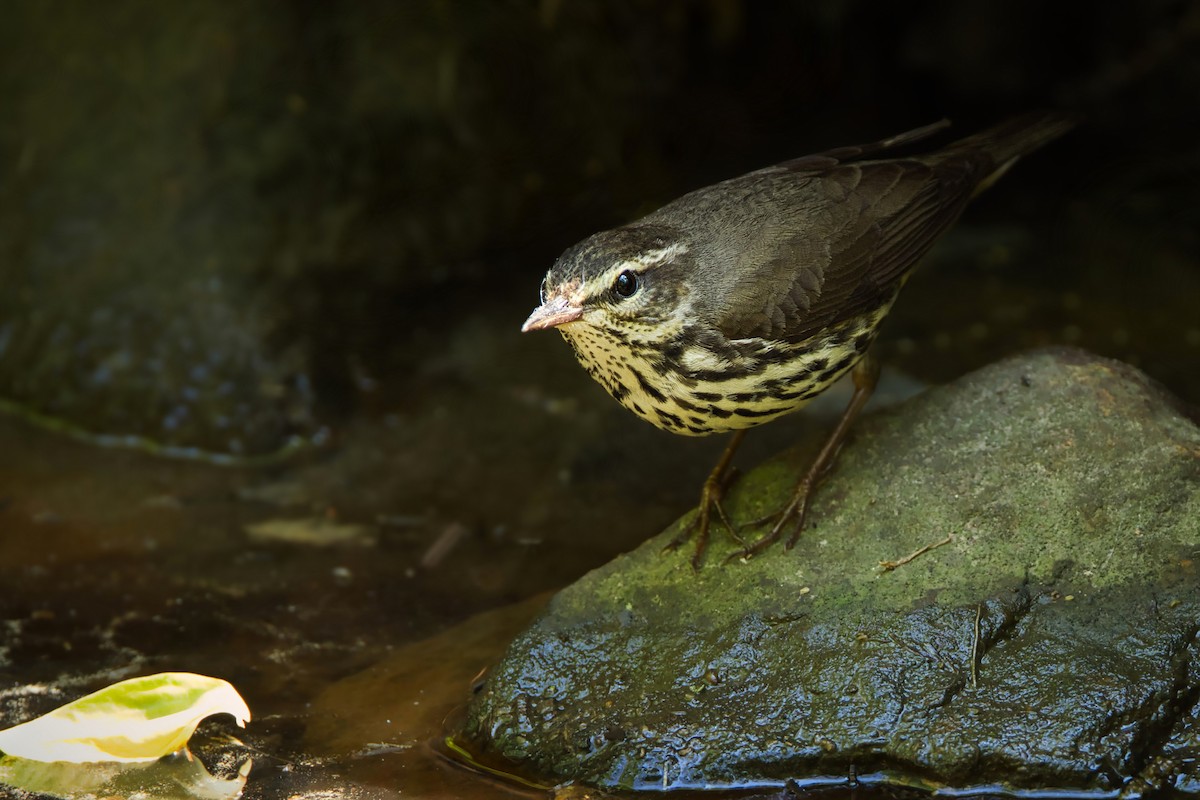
{"x":1050,"y":644}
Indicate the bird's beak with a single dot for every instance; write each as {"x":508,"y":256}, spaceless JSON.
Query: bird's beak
{"x":552,"y":313}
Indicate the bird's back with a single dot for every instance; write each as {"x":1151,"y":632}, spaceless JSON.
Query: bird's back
{"x":788,"y":250}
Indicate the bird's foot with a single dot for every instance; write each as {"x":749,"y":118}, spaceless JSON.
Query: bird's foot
{"x":865,"y":375}
{"x":698,"y":526}
{"x":793,"y":515}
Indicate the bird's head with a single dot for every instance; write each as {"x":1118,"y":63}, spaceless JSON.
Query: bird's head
{"x":625,"y":284}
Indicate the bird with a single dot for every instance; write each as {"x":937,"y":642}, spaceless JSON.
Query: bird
{"x":740,"y":302}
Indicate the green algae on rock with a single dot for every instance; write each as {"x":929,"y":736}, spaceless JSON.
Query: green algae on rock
{"x":1050,"y":645}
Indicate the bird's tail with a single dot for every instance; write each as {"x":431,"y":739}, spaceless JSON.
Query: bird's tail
{"x":998,"y":148}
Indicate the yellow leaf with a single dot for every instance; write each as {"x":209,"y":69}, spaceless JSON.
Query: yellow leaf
{"x":140,"y":719}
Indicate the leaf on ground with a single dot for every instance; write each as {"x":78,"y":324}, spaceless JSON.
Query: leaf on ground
{"x":317,"y":531}
{"x":140,"y":719}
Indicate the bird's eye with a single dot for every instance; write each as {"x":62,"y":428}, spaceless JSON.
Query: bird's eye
{"x":626,"y":284}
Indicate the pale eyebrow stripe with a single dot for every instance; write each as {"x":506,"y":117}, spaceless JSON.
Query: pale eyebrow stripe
{"x":646,"y":260}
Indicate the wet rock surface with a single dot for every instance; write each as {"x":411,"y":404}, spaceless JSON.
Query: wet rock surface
{"x":1048,"y":641}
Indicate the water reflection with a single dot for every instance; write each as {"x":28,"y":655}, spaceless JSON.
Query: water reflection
{"x":178,"y":777}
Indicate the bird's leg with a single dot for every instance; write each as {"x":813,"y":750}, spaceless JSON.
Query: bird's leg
{"x":710,"y":500}
{"x":865,"y":376}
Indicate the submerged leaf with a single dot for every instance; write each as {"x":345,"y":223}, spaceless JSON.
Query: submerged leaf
{"x":140,"y":719}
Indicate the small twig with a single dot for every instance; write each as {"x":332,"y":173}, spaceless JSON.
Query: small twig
{"x":975,"y":649}
{"x":446,"y":541}
{"x":888,"y":566}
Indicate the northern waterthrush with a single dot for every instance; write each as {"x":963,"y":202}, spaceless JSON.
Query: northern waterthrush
{"x":740,"y":302}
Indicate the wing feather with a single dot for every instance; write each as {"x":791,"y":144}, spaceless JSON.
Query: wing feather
{"x":879,"y":219}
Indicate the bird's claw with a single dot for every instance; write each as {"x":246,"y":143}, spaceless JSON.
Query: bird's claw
{"x":698,"y":526}
{"x":794,"y":513}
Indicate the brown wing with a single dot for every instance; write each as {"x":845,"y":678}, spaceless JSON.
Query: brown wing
{"x":843,"y":247}
{"x":844,"y":232}
{"x":788,"y":250}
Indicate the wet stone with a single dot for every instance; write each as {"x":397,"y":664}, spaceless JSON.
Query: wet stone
{"x":1047,"y":640}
